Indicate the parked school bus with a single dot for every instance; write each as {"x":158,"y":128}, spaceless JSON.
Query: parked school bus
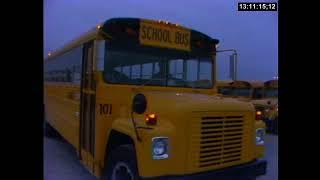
{"x":269,"y":95}
{"x":250,"y":90}
{"x":271,"y":91}
{"x":271,"y":112}
{"x":137,"y":98}
{"x":268,"y":105}
{"x":264,"y":96}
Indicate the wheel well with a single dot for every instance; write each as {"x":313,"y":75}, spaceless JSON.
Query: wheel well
{"x":116,"y":139}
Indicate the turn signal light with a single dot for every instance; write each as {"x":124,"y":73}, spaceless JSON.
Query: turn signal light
{"x":151,"y":119}
{"x":258,"y":115}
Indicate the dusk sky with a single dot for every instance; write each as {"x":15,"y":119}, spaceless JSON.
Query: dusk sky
{"x":253,"y":34}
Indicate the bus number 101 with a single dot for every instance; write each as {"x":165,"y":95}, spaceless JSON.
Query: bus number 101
{"x":105,"y":109}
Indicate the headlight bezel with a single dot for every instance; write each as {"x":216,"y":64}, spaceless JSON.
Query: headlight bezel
{"x":165,"y":142}
{"x":260,"y":138}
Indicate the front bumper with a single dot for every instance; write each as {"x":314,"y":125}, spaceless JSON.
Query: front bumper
{"x":241,"y":172}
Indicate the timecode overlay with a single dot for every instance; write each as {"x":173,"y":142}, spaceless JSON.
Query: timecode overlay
{"x":257,"y":6}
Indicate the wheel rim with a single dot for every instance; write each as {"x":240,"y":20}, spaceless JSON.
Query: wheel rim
{"x":121,"y":171}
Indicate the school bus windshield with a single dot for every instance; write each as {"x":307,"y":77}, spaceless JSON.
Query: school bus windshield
{"x":231,"y":91}
{"x":258,"y":93}
{"x":244,"y":92}
{"x":158,"y":67}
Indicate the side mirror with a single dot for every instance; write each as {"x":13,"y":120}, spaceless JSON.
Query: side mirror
{"x":139,"y":104}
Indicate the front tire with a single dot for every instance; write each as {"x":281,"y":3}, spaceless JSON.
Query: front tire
{"x":122,"y":164}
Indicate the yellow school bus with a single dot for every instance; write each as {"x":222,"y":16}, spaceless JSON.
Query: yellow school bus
{"x":137,"y":98}
{"x":271,"y":102}
{"x":264,"y":96}
{"x":269,"y":94}
{"x":271,"y":91}
{"x":224,"y":87}
{"x":250,"y":90}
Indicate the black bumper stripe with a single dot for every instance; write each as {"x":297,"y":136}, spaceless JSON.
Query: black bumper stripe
{"x":240,"y":172}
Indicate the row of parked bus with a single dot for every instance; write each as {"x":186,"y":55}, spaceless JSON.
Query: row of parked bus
{"x":264,"y":96}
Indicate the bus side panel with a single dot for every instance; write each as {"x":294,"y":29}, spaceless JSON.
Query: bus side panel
{"x":62,"y":110}
{"x":106,"y":111}
{"x":111,"y":104}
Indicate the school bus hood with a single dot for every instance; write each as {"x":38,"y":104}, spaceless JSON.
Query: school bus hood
{"x":267,"y":102}
{"x":195,"y":102}
{"x":240,"y":98}
{"x":244,"y":99}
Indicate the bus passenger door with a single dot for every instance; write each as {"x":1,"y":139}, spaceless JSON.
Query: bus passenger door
{"x":87,"y":108}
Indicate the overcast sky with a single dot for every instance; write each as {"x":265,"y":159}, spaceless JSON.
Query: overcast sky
{"x":253,"y":34}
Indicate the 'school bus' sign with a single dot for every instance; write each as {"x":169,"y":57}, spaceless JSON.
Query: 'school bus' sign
{"x":162,"y":35}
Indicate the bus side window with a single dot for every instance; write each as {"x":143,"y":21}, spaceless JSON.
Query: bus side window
{"x":65,"y":68}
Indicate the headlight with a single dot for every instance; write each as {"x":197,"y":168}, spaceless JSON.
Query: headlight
{"x":160,"y":148}
{"x":260,"y":136}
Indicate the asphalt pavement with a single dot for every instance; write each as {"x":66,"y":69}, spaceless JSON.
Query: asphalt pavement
{"x":61,"y":163}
